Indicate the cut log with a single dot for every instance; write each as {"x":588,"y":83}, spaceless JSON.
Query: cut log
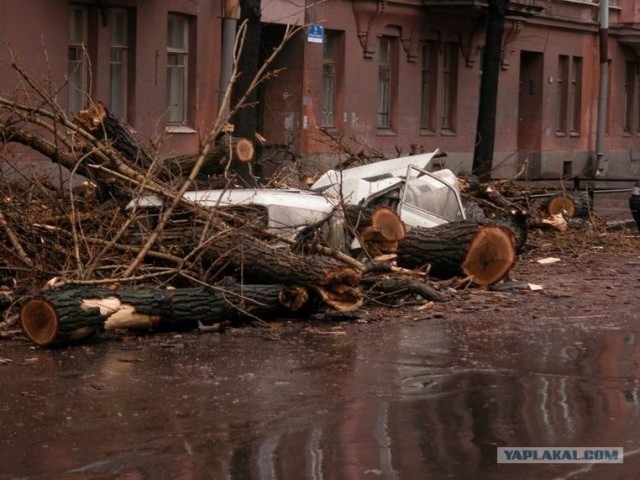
{"x":337,"y":284}
{"x":570,"y":204}
{"x":482,"y":253}
{"x":61,"y":317}
{"x":378,"y":228}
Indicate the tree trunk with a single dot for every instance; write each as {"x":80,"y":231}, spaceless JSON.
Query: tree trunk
{"x":483,"y":253}
{"x":491,"y":59}
{"x":245,"y":119}
{"x":61,"y":317}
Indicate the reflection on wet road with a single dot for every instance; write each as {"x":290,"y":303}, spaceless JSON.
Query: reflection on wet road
{"x":426,"y":400}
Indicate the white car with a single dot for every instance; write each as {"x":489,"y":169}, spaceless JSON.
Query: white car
{"x":421,"y":198}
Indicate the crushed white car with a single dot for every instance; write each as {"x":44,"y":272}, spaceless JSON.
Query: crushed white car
{"x":421,"y":198}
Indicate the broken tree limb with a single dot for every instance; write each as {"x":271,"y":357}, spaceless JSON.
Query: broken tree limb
{"x":483,"y":253}
{"x":337,"y":284}
{"x":64,"y":316}
{"x":215,"y":162}
{"x":14,"y":240}
{"x":401,"y":285}
{"x":104,"y":126}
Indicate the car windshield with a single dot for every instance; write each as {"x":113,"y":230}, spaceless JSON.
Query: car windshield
{"x":433,"y":193}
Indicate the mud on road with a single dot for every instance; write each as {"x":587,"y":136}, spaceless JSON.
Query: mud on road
{"x":396,"y":393}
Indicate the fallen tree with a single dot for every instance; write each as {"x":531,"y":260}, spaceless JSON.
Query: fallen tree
{"x":72,"y":314}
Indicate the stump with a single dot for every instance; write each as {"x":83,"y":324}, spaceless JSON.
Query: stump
{"x":61,"y":317}
{"x":482,"y":253}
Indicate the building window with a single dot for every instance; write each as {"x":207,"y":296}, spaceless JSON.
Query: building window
{"x":77,"y":68}
{"x":562,"y":93}
{"x":449,"y":86}
{"x":329,"y":78}
{"x":177,"y":69}
{"x":428,"y":85}
{"x":384,"y":82}
{"x":118,"y":62}
{"x":637,"y":103}
{"x":629,"y":90}
{"x":575,"y":94}
{"x":569,"y":94}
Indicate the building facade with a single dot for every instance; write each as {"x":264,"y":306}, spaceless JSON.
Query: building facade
{"x":387,"y":78}
{"x":154,"y":64}
{"x":404,"y":76}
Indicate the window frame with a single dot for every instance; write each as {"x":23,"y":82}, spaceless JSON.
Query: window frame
{"x":449,"y":96}
{"x":575,"y":95}
{"x":428,"y":85}
{"x":562,"y":94}
{"x":181,"y":53}
{"x":77,"y":94}
{"x":383,"y":118}
{"x":329,"y":78}
{"x":630,"y":91}
{"x":124,"y":50}
{"x":569,"y":95}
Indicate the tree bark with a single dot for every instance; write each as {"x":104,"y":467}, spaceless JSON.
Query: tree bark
{"x":61,"y":317}
{"x":260,"y":262}
{"x":491,"y":60}
{"x":483,"y":253}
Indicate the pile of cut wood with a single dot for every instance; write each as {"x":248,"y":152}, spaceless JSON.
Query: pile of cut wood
{"x":106,"y":268}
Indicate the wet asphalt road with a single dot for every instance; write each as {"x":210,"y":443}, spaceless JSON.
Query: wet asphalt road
{"x":411,"y":394}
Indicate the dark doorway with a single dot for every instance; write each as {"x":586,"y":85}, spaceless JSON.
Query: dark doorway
{"x":530,"y":110}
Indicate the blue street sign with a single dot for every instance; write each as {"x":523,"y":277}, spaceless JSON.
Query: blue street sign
{"x":315,"y":33}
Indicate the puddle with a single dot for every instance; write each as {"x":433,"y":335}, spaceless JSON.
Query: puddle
{"x":429,"y":400}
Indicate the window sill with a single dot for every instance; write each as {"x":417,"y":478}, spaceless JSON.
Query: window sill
{"x":386,"y":132}
{"x":447,"y":133}
{"x":179,"y":129}
{"x":627,"y":134}
{"x":560,"y":133}
{"x":574,"y":134}
{"x":427,"y":133}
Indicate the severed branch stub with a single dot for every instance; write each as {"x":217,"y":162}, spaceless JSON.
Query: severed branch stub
{"x":378,"y":228}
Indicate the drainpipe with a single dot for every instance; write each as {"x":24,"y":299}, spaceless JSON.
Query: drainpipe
{"x":229,"y":24}
{"x":603,"y":33}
